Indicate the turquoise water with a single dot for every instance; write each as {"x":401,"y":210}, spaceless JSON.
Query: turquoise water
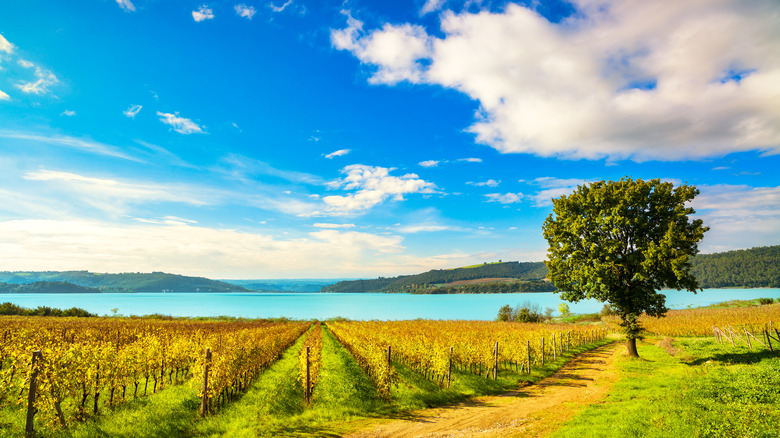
{"x":354,"y":306}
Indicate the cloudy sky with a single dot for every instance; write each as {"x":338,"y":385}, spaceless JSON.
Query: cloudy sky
{"x":325,"y":139}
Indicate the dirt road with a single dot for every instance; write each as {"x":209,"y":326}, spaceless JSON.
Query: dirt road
{"x":535,"y":410}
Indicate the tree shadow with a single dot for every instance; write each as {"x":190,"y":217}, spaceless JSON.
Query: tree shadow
{"x":744,"y":357}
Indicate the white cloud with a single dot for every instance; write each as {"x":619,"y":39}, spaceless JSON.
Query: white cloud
{"x":4,"y":96}
{"x":617,"y":79}
{"x":127,"y":5}
{"x":68,"y":113}
{"x":505,"y":198}
{"x":374,"y":185}
{"x":132,"y":111}
{"x":203,"y":13}
{"x":327,"y":225}
{"x":394,"y":50}
{"x":470,"y":160}
{"x":245,"y":11}
{"x":178,"y":246}
{"x":279,"y":8}
{"x":45,"y":79}
{"x":338,"y":153}
{"x":181,"y":125}
{"x":429,"y":163}
{"x":5,"y":46}
{"x":488,"y":183}
{"x":553,"y":188}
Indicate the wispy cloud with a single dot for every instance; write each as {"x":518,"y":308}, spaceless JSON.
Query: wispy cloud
{"x":182,"y":125}
{"x":203,"y":13}
{"x":127,"y":5}
{"x":132,"y":111}
{"x":5,"y":46}
{"x":45,"y":79}
{"x":431,"y":6}
{"x":739,"y":216}
{"x":279,"y":8}
{"x":245,"y":11}
{"x":113,"y":196}
{"x":470,"y":160}
{"x":69,"y":142}
{"x":373,"y":186}
{"x":245,"y":168}
{"x":328,"y":225}
{"x":505,"y":198}
{"x":488,"y":183}
{"x":4,"y":96}
{"x":338,"y":153}
{"x":68,"y":113}
{"x":429,"y":163}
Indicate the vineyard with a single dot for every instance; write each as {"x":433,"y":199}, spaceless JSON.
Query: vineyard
{"x":61,"y":374}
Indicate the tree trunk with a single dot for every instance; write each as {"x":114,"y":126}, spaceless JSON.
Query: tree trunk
{"x":631,"y":347}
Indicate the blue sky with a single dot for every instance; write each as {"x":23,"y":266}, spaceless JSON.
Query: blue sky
{"x":311,"y":139}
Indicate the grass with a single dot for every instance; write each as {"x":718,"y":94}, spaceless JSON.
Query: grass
{"x":693,"y":387}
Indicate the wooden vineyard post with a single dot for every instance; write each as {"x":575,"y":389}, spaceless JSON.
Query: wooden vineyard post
{"x":748,"y":338}
{"x":768,"y":340}
{"x":204,"y":401}
{"x":28,"y":427}
{"x":554,"y":348}
{"x":449,"y":370}
{"x":528,"y":352}
{"x":389,"y":356}
{"x":495,"y":362}
{"x":307,"y":389}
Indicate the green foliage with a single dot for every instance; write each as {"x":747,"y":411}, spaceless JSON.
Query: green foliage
{"x":620,"y":242}
{"x":505,"y":313}
{"x":534,"y":271}
{"x":526,"y":313}
{"x":564,"y":309}
{"x":765,"y":301}
{"x":757,"y":267}
{"x":13,"y":309}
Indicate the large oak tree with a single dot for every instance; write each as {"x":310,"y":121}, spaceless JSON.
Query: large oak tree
{"x":621,"y":242}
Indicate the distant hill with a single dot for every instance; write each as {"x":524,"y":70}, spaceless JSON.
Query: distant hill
{"x":284,"y":285}
{"x":421,"y":283}
{"x":46,"y":287}
{"x":126,"y":282}
{"x":756,"y":267}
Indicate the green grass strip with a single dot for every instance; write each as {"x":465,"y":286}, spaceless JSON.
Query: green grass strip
{"x":693,"y":388}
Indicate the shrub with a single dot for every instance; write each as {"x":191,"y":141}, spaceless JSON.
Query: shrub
{"x":764,"y":301}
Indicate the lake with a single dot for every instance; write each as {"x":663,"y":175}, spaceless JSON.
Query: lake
{"x":364,"y":306}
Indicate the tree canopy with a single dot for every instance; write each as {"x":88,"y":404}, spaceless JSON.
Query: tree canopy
{"x":622,"y":241}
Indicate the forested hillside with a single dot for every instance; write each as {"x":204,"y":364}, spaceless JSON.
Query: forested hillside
{"x":757,"y":267}
{"x":427,"y":280}
{"x":45,"y":287}
{"x":125,"y":282}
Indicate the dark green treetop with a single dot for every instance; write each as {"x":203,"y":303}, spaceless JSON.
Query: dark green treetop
{"x":622,"y":241}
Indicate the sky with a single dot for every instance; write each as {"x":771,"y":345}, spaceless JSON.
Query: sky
{"x":355,"y":139}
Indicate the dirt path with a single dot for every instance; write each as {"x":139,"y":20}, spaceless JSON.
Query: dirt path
{"x":535,"y":410}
